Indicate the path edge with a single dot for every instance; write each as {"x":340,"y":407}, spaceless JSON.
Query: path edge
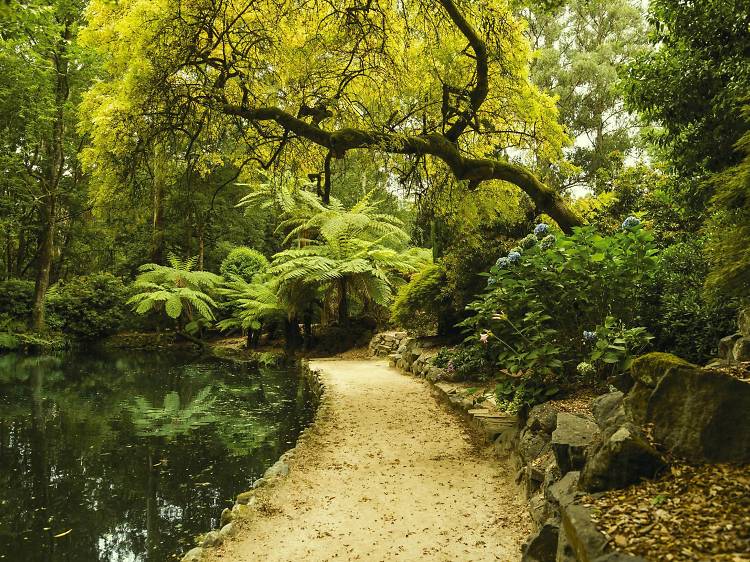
{"x":245,"y":501}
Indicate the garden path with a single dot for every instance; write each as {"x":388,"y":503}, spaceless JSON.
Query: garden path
{"x":386,"y":473}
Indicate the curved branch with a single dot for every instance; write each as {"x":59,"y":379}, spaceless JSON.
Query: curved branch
{"x":474,"y":170}
{"x":481,"y":88}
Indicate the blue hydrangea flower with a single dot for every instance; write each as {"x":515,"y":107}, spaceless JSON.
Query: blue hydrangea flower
{"x":589,"y":336}
{"x":548,"y":242}
{"x":630,"y":222}
{"x":502,"y":262}
{"x":491,"y":281}
{"x":528,"y":241}
{"x":514,"y":257}
{"x":541,"y":229}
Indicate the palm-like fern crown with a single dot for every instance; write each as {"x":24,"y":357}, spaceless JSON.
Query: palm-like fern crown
{"x":176,"y":287}
{"x":362,"y":244}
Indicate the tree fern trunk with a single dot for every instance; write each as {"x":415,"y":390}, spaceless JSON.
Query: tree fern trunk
{"x":343,"y":303}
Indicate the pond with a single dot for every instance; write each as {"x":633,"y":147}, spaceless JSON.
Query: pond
{"x":127,"y":456}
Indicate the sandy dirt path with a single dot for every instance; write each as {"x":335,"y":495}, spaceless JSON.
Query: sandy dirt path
{"x":386,"y":473}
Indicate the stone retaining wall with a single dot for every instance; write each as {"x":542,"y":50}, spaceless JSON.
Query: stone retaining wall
{"x":245,"y":501}
{"x":546,"y":449}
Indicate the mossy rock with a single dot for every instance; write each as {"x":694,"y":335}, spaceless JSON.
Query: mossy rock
{"x":245,"y":497}
{"x":650,"y":368}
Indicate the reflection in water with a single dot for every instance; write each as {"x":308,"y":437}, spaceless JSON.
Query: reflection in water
{"x":124,"y":456}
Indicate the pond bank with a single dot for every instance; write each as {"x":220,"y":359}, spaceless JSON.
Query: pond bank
{"x":384,"y":472}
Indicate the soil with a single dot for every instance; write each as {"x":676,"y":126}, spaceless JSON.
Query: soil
{"x":385,"y":473}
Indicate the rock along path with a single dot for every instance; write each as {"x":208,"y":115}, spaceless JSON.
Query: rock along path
{"x":384,"y":474}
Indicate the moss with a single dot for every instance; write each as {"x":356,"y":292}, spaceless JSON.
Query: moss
{"x":650,"y":368}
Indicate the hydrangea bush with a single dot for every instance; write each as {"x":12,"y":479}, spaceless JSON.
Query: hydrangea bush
{"x":554,"y":306}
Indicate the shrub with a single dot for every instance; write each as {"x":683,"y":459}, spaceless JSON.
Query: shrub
{"x":243,"y":262}
{"x":685,"y":319}
{"x":465,"y":362}
{"x":16,"y":299}
{"x":87,"y":307}
{"x":538,"y":304}
{"x":418,"y":303}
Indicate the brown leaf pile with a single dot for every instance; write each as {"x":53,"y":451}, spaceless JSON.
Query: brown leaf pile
{"x":579,"y":402}
{"x":692,"y":513}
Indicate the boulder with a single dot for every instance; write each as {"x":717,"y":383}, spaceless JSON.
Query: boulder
{"x":226,"y":516}
{"x":193,"y":555}
{"x":538,"y":509}
{"x":608,"y":410}
{"x":212,"y":538}
{"x":650,"y":368}
{"x":726,"y":346}
{"x":531,"y":444}
{"x":244,"y":497}
{"x":621,"y":458}
{"x":542,"y":545}
{"x":565,"y":491}
{"x":571,"y":439}
{"x":702,"y":415}
{"x":227,"y":531}
{"x":583,"y":538}
{"x":635,"y":402}
{"x":279,"y":468}
{"x":542,"y":417}
{"x":647,"y":370}
{"x":741,"y":349}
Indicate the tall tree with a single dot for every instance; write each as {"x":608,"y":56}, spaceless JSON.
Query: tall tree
{"x":46,"y":73}
{"x":582,"y":47}
{"x":449,"y":85}
{"x":694,"y":83}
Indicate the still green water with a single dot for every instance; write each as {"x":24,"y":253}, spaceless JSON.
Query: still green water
{"x":126,"y":456}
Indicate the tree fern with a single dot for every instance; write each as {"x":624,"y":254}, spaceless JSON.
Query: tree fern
{"x":176,"y":289}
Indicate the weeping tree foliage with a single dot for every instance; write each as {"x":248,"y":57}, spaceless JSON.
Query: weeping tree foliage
{"x":177,"y":290}
{"x":436,"y":85}
{"x":419,"y":302}
{"x":729,"y":248}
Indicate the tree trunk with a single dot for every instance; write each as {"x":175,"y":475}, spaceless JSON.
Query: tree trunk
{"x":157,"y":224}
{"x":292,"y":335}
{"x":343,"y":303}
{"x":307,"y":329}
{"x":51,"y":180}
{"x":44,"y":262}
{"x":201,"y":248}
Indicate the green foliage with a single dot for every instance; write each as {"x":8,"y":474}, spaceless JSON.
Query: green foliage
{"x":87,"y":307}
{"x":515,"y":395}
{"x":729,"y":245}
{"x":177,"y":290}
{"x":243,"y":262}
{"x":16,"y":298}
{"x":615,"y":346}
{"x":357,"y":252}
{"x":582,"y":47}
{"x":174,"y":418}
{"x":537,"y":306}
{"x":694,"y":82}
{"x":465,"y":362}
{"x":253,"y":304}
{"x":686,"y":319}
{"x":418,"y":302}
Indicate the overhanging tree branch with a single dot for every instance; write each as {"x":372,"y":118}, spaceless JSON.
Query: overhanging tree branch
{"x":474,"y":170}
